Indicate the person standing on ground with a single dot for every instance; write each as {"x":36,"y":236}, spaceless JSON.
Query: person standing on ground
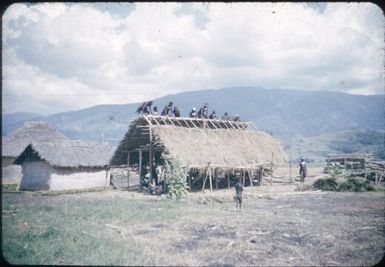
{"x":238,"y":194}
{"x":302,"y":169}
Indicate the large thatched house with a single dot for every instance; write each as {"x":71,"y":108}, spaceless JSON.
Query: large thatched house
{"x":63,"y":164}
{"x":211,"y":148}
{"x":16,"y":142}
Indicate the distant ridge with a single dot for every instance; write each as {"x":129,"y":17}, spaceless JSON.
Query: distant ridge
{"x":287,"y":114}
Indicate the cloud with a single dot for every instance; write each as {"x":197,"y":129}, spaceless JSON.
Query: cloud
{"x":59,"y":57}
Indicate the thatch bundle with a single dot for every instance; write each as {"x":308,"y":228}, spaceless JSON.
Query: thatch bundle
{"x":67,"y":153}
{"x":219,"y":147}
{"x":18,"y":139}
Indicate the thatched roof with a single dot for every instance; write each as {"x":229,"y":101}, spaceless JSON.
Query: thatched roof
{"x":67,"y":153}
{"x":196,"y":147}
{"x":220,"y":147}
{"x":17,"y":140}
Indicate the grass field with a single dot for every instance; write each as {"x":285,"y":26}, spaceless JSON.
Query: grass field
{"x":277,"y":226}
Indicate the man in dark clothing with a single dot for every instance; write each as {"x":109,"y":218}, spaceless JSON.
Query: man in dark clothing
{"x":167,"y":111}
{"x":193,"y":113}
{"x":226,"y":116}
{"x":204,"y":112}
{"x":155,"y":111}
{"x":176,"y":112}
{"x":237,"y":118}
{"x":302,"y":170}
{"x":213,"y":115}
{"x":238,"y":194}
{"x":145,"y":108}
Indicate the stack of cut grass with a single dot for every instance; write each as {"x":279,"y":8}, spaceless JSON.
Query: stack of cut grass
{"x":351,"y":184}
{"x":328,"y":184}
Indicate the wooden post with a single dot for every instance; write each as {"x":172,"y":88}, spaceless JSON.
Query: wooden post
{"x":150,"y":154}
{"x":204,"y":183}
{"x":271,"y":169}
{"x":189,"y":182}
{"x":290,"y":168}
{"x":250,"y":177}
{"x":365,"y":168}
{"x":140,"y":163}
{"x":243,"y":178}
{"x":128,"y":170}
{"x":211,"y":180}
{"x":216,"y":179}
{"x":228,"y":180}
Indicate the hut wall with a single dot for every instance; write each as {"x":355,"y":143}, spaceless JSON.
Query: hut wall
{"x":66,"y":178}
{"x":35,"y":175}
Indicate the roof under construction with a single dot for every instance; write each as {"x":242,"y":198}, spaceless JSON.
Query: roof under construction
{"x":197,"y":143}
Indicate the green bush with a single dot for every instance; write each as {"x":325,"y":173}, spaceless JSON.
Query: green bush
{"x":328,"y":184}
{"x":176,"y":178}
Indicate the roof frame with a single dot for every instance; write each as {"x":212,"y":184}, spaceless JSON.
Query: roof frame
{"x":156,"y":120}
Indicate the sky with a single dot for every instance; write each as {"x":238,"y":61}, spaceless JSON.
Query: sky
{"x":67,"y":56}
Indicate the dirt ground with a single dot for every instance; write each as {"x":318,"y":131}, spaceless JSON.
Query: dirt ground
{"x":278,"y":226}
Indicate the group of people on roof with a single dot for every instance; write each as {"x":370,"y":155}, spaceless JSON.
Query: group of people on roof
{"x":173,"y":111}
{"x":168,"y":110}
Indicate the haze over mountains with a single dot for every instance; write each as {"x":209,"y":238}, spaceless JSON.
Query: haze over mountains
{"x":293,"y":116}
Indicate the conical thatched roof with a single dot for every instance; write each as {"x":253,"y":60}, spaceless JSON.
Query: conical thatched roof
{"x":193,"y":145}
{"x":18,"y":139}
{"x":67,"y":153}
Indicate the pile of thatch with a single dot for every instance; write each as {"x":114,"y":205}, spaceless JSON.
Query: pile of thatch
{"x":219,"y":147}
{"x":18,"y":139}
{"x":67,"y":153}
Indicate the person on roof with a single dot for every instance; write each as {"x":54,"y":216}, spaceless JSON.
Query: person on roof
{"x":237,"y":118}
{"x":145,"y":108}
{"x":213,"y":115}
{"x":193,"y":113}
{"x":204,"y":111}
{"x":226,"y":116}
{"x":176,"y":111}
{"x":167,"y":111}
{"x":155,"y":111}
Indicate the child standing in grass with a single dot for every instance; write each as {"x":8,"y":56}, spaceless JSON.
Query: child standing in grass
{"x":238,"y":194}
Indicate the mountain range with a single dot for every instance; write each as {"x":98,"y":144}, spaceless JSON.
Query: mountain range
{"x":297,"y":118}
